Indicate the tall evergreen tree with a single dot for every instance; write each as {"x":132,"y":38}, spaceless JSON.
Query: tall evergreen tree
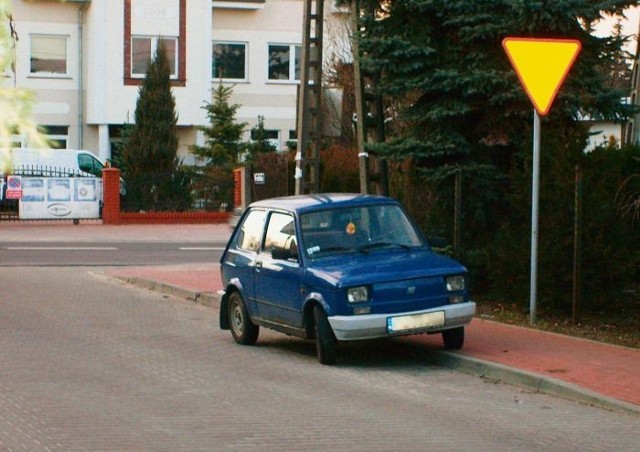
{"x":150,"y":154}
{"x":463,"y":103}
{"x":223,"y":144}
{"x":461,"y":110}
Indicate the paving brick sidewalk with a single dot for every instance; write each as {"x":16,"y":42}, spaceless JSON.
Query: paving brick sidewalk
{"x":579,"y":369}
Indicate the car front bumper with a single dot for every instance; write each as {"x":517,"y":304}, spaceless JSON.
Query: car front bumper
{"x":359,"y":327}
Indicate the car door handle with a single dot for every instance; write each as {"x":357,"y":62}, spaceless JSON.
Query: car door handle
{"x":258,"y":265}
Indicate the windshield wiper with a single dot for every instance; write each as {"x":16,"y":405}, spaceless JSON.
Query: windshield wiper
{"x":341,"y":248}
{"x":382,"y":244}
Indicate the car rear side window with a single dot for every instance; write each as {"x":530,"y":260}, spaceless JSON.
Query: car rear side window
{"x":250,"y":232}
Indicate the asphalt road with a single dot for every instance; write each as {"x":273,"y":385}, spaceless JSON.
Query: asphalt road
{"x":100,"y":253}
{"x":65,"y":244}
{"x":89,"y":363}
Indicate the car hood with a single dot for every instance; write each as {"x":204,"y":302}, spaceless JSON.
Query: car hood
{"x":348,"y":270}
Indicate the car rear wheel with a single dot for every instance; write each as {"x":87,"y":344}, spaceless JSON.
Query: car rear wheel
{"x":453,"y":338}
{"x":325,"y":339}
{"x":243,"y":331}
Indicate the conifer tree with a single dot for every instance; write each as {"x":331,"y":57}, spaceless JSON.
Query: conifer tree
{"x":223,"y":144}
{"x":260,"y":143}
{"x":150,"y":154}
{"x":458,"y":109}
{"x":463,"y":106}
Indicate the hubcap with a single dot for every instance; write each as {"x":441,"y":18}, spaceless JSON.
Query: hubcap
{"x":236,"y":318}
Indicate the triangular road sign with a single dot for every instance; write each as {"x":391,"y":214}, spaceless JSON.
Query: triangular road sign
{"x":541,"y":65}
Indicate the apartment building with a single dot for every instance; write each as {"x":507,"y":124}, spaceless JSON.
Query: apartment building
{"x":85,"y":61}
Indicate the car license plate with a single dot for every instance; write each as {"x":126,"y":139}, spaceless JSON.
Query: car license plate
{"x":415,"y":322}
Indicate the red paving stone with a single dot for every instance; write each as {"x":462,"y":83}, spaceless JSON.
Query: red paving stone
{"x":196,"y":279}
{"x":605,"y":369}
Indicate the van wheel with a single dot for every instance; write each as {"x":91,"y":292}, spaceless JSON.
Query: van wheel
{"x":453,"y":338}
{"x":325,"y":339}
{"x":242,"y":329}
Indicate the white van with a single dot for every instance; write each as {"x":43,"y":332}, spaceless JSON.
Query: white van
{"x":64,"y":162}
{"x":51,"y":163}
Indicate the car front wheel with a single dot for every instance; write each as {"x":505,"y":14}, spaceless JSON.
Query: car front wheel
{"x":325,"y":339}
{"x":242,"y":329}
{"x":453,"y":338}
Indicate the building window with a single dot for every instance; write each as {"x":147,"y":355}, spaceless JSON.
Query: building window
{"x":284,"y":62}
{"x":175,"y":30}
{"x":57,"y":136}
{"x":271,"y":135}
{"x":229,"y":61}
{"x":48,"y":54}
{"x":143,"y":49}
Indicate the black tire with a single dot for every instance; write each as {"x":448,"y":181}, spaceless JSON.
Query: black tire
{"x":453,"y":338}
{"x":242,"y":329}
{"x":325,"y":339}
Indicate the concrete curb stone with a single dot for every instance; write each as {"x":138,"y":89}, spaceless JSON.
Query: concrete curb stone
{"x":203,"y":298}
{"x":530,"y":380}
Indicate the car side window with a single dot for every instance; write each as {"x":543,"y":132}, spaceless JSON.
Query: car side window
{"x":250,"y":232}
{"x":281,"y":234}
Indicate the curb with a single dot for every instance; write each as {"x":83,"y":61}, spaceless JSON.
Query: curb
{"x":451,"y":360}
{"x":530,"y":380}
{"x":203,"y":298}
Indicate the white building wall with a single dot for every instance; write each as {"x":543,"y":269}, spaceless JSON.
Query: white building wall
{"x":93,"y":94}
{"x":109,"y":100}
{"x":55,"y":96}
{"x":275,"y":22}
{"x":603,"y":134}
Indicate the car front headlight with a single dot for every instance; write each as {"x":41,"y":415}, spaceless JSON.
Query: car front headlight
{"x":357,"y":294}
{"x":455,"y":283}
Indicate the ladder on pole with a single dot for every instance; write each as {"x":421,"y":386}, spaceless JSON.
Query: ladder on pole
{"x":309,"y":121}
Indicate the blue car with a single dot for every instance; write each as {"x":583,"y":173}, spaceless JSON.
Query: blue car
{"x":338,"y":267}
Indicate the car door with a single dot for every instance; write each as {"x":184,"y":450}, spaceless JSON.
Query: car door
{"x":278,"y":273}
{"x":240,"y":258}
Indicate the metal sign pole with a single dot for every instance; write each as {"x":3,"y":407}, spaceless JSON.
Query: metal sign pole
{"x":535,"y":201}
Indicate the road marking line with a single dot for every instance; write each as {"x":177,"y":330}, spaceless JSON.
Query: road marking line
{"x":201,"y":248}
{"x":62,"y":248}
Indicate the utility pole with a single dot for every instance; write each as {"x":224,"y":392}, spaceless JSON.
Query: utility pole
{"x":363,"y":157}
{"x":309,"y":120}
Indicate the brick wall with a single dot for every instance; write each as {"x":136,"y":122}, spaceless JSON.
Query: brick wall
{"x":111,"y":209}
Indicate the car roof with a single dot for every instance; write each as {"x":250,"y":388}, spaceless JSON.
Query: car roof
{"x":320,"y":201}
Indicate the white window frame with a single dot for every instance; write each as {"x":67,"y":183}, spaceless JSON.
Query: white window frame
{"x":154,"y":47}
{"x":294,"y":50}
{"x":246,"y":60}
{"x":64,"y":74}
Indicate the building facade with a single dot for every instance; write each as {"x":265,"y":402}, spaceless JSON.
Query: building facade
{"x":85,"y":61}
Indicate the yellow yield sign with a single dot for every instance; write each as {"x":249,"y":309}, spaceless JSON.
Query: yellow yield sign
{"x":541,"y":65}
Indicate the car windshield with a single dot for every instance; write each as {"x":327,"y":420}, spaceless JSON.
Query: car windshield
{"x":357,"y":229}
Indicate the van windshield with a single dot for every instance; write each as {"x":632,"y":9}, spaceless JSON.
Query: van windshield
{"x":357,"y":229}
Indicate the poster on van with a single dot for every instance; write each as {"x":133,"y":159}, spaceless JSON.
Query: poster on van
{"x":46,"y":198}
